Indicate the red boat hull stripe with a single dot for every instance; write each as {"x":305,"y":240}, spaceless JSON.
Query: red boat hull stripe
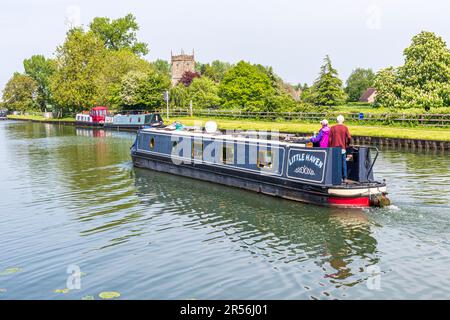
{"x":357,"y":202}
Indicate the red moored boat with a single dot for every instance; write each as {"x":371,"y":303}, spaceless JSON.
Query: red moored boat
{"x":95,"y":117}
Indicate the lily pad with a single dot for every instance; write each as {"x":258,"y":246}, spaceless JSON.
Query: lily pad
{"x":65,"y":290}
{"x":10,"y":271}
{"x":109,"y":294}
{"x":88,"y":298}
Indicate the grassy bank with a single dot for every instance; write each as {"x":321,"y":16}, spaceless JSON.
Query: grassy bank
{"x":39,"y":118}
{"x":309,"y":128}
{"x":292,"y":127}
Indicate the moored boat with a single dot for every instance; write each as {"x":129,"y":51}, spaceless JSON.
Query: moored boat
{"x":95,"y":117}
{"x":3,"y":114}
{"x":134,"y":121}
{"x":286,"y":168}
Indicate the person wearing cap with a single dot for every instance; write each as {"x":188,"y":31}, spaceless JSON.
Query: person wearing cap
{"x":340,"y":138}
{"x":322,"y":137}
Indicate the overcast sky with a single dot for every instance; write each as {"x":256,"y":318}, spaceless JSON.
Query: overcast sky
{"x":291,"y":36}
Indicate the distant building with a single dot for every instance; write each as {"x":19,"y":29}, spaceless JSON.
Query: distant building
{"x":180,"y":64}
{"x":368,"y":95}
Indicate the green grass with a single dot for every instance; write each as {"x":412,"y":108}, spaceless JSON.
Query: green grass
{"x":39,"y":118}
{"x":308,"y":128}
{"x":440,"y":134}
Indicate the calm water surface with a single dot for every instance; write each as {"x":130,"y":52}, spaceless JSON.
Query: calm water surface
{"x":72,"y":197}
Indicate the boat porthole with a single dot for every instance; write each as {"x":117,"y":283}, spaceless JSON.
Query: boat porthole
{"x":152,"y":143}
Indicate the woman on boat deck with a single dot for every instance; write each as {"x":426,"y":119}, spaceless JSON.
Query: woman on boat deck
{"x":322,"y":137}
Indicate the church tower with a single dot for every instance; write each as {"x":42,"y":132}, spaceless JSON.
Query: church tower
{"x":180,"y":64}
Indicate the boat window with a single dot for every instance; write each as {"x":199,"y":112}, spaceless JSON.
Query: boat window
{"x":174,"y":144}
{"x":139,"y":119}
{"x":265,"y":159}
{"x":228,"y":154}
{"x":197,"y":150}
{"x":152,"y":143}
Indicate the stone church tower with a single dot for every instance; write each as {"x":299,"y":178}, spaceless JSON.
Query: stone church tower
{"x":180,"y":64}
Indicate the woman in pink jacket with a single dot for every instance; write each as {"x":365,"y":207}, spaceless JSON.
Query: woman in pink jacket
{"x":322,"y":137}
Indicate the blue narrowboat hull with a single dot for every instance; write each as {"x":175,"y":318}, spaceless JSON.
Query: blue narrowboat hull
{"x":310,"y":175}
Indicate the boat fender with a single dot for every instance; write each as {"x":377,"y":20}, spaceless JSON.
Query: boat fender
{"x":380,"y":200}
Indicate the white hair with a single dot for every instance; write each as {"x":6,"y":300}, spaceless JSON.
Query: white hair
{"x":324,"y":122}
{"x":340,"y":119}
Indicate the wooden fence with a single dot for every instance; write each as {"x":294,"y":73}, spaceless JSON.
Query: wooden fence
{"x":405,"y":119}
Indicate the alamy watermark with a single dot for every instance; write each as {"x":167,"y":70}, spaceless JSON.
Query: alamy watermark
{"x":374,"y":279}
{"x":73,"y":17}
{"x":74,"y":279}
{"x":238,"y":148}
{"x":373,"y":21}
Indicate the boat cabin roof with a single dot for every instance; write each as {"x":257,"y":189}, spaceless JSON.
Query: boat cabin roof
{"x":99,"y":108}
{"x":282,"y":140}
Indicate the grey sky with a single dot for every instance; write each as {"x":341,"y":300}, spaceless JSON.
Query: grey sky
{"x":291,"y":36}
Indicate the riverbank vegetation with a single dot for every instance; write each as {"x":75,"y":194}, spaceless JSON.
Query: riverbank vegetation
{"x":103,"y":64}
{"x":309,"y":128}
{"x":294,"y":127}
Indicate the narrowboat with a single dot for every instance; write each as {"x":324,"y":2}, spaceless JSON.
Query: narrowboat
{"x":283,"y":167}
{"x":95,"y":117}
{"x":133,"y":121}
{"x":3,"y":114}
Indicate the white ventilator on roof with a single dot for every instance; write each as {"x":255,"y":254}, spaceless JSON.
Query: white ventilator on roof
{"x":210,"y":126}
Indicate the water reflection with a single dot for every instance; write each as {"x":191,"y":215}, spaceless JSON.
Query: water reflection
{"x":339,"y":241}
{"x":71,"y":195}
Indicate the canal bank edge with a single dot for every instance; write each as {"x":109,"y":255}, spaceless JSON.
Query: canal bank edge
{"x":410,"y":143}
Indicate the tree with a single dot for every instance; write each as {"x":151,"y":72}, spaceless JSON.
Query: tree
{"x":246,"y":87}
{"x":188,"y":77}
{"x":179,"y":96}
{"x":204,"y":93}
{"x":216,"y":70}
{"x":79,"y":62}
{"x":119,"y":33}
{"x":427,"y":60}
{"x":327,"y":89}
{"x":387,"y":88}
{"x":162,"y":66}
{"x":144,"y":90}
{"x":116,"y":65}
{"x":40,"y":69}
{"x":20,"y":93}
{"x":425,"y":76}
{"x":358,"y":82}
{"x":424,"y":79}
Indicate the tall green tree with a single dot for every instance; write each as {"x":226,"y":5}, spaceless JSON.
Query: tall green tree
{"x":245,"y":87}
{"x":109,"y":80}
{"x":20,"y":93}
{"x":144,"y":90}
{"x":357,"y":83}
{"x":216,"y":70}
{"x":204,"y":93}
{"x":162,"y":66}
{"x":79,"y":61}
{"x":388,"y":88}
{"x":327,"y":89}
{"x":41,"y":69}
{"x":179,"y":96}
{"x":119,"y":33}
{"x":424,"y":79}
{"x":427,"y":60}
{"x":425,"y":76}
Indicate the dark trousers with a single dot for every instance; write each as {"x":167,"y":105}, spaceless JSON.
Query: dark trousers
{"x":344,"y":166}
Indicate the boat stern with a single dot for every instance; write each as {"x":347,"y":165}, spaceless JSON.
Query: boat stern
{"x":373,"y":195}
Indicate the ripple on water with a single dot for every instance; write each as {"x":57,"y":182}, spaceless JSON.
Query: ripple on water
{"x":75,"y":199}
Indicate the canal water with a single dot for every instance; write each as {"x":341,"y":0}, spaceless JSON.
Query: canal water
{"x":70,"y":198}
